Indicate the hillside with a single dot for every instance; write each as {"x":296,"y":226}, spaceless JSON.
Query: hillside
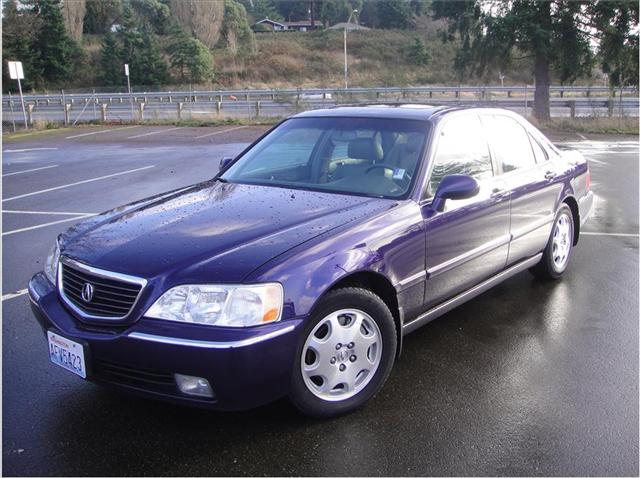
{"x":316,"y":59}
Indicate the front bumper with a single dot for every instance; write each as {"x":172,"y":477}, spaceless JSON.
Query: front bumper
{"x":245,"y":367}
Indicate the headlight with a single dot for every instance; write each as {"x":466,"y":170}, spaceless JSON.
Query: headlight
{"x":223,"y":305}
{"x":51,"y":264}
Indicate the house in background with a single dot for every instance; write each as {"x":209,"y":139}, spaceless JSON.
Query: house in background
{"x":267,"y":25}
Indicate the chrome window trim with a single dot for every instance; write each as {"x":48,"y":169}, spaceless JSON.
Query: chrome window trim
{"x":98,"y":273}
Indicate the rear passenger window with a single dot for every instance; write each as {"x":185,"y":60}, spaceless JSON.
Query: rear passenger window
{"x":462,"y":149}
{"x":510,"y":143}
{"x":538,"y":152}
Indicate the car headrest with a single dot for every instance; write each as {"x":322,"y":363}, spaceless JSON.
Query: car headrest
{"x":362,"y":148}
{"x":414,"y":142}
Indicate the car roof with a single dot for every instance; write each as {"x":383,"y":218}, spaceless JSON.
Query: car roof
{"x":393,"y":111}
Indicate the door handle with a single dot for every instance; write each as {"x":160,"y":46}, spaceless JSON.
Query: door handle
{"x":550,"y":175}
{"x":498,"y":192}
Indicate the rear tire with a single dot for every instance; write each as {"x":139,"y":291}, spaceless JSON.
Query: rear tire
{"x":557,"y":253}
{"x":345,"y":354}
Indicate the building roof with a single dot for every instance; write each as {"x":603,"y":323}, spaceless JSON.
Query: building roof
{"x":348,"y":26}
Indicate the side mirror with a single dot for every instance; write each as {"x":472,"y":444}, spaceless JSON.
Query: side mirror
{"x":224,"y":162}
{"x":454,"y":186}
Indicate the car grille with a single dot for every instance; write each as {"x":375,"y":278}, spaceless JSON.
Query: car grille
{"x":112,"y":298}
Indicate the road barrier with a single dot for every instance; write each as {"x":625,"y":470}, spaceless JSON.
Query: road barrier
{"x":210,"y":105}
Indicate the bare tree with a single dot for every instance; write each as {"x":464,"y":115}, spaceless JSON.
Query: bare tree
{"x":202,"y":18}
{"x":73,"y":12}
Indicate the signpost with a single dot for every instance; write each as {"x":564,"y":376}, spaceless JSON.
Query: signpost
{"x":126,"y":72}
{"x":16,"y":73}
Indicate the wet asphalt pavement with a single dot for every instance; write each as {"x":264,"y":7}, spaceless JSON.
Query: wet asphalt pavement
{"x":531,"y":378}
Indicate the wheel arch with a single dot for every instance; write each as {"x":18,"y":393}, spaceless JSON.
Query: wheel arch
{"x":379,"y":285}
{"x":575,"y":212}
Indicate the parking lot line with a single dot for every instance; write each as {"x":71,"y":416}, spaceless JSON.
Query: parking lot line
{"x":50,"y":213}
{"x":28,"y":150}
{"x":78,"y":182}
{"x":46,"y":224}
{"x":154,"y":132}
{"x":100,"y":132}
{"x":29,"y":170}
{"x":14,"y":294}
{"x":219,"y":132}
{"x":618,"y":234}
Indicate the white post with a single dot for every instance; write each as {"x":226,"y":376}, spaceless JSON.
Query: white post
{"x":13,"y":120}
{"x":126,"y":72}
{"x":346,"y":85}
{"x":346,"y":67}
{"x":24,"y":112}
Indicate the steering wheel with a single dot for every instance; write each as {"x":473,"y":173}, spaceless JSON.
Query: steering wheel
{"x":404,"y":180}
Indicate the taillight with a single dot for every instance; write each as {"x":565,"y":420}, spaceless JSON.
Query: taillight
{"x":587,"y":183}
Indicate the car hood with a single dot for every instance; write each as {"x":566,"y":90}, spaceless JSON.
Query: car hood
{"x":212,"y":231}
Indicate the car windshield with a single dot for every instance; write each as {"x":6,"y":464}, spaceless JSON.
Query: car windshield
{"x":359,"y":156}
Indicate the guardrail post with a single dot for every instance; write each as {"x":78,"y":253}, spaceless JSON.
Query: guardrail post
{"x":273,"y":96}
{"x":404,"y":94}
{"x":103,"y":112}
{"x":218,"y":107}
{"x":572,"y":109}
{"x":430,"y":94}
{"x":67,"y":110}
{"x":246,"y":97}
{"x":141,"y":111}
{"x":610,"y":107}
{"x":588,"y":93}
{"x":119,"y":99}
{"x":257,"y":109}
{"x":30,"y":108}
{"x":179,"y":107}
{"x":561,"y":93}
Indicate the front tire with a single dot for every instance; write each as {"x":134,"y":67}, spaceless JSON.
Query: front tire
{"x":345,"y":354}
{"x":557,"y":253}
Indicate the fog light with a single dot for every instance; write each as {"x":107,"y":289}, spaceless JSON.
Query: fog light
{"x":195,"y":386}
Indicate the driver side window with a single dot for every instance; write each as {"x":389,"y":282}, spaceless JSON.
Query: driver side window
{"x":462,"y":149}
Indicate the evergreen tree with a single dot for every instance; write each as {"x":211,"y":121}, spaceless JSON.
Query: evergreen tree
{"x":111,"y":64}
{"x":18,"y":32}
{"x":148,"y":66}
{"x":557,"y":34}
{"x":56,"y":51}
{"x":260,"y":9}
{"x":418,"y":53}
{"x":190,"y":57}
{"x":335,"y":11}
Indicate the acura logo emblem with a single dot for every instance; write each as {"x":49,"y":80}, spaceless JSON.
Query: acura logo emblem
{"x":87,"y":292}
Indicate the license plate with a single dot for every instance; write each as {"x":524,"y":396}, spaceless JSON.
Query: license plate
{"x":67,"y":354}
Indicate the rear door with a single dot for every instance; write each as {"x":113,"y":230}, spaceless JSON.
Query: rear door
{"x":468,"y":241}
{"x":530,"y":180}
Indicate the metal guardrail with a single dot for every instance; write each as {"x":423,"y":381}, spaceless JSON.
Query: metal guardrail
{"x":481,"y":92}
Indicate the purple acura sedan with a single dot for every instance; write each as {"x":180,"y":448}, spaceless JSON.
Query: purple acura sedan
{"x":299,"y":267}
